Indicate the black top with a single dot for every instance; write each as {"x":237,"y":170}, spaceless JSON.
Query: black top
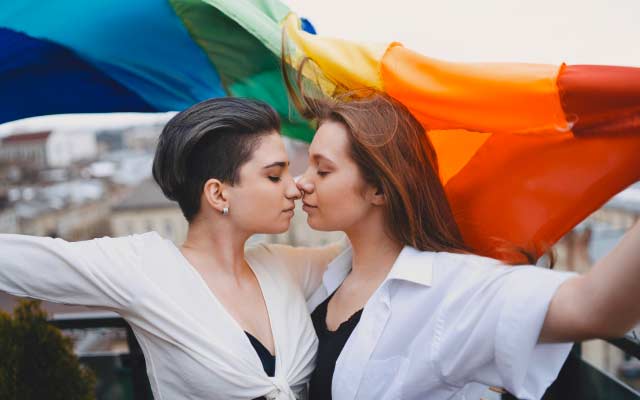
{"x":268,"y":360}
{"x":330,"y":344}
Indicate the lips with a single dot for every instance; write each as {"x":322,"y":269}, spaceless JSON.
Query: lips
{"x":308,"y":205}
{"x":288,"y":209}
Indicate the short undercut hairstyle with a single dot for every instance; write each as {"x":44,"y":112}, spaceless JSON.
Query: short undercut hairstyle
{"x":211,"y":139}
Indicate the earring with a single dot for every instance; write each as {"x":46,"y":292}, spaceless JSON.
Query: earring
{"x":225,"y":211}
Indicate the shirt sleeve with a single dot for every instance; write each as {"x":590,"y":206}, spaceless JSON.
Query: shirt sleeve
{"x":306,"y":264}
{"x":488,"y":330}
{"x":96,"y":272}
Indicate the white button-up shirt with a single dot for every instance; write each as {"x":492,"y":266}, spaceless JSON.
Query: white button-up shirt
{"x":193,"y":347}
{"x":445,"y":326}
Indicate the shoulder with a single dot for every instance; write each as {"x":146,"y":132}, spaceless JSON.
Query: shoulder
{"x":135,"y":241}
{"x":466,"y":259}
{"x":299,"y":255}
{"x":151,"y":237}
{"x":263,"y":256}
{"x":259,"y":251}
{"x":131,"y":248}
{"x":468,"y":274}
{"x":450,"y":265}
{"x":477,"y":274}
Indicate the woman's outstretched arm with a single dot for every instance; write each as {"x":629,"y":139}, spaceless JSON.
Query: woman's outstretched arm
{"x":95,"y":272}
{"x":602,"y":302}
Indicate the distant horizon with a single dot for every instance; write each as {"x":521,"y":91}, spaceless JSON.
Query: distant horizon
{"x":93,"y":121}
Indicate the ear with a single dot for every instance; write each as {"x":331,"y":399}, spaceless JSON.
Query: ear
{"x":375,"y":196}
{"x":215,"y":194}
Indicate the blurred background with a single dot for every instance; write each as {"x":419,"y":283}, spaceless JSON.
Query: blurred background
{"x":83,"y":176}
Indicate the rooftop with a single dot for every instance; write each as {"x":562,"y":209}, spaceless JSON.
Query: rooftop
{"x":26,"y":137}
{"x":146,"y":195}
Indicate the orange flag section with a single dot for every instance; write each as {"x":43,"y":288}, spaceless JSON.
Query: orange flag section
{"x":529,"y":190}
{"x":483,"y":97}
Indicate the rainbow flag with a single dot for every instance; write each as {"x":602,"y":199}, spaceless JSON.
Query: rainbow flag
{"x":525,"y":151}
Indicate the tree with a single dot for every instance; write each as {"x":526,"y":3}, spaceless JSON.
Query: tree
{"x":37,"y":361}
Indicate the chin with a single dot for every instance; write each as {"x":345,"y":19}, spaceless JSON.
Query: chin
{"x":275,"y":228}
{"x":315,"y":224}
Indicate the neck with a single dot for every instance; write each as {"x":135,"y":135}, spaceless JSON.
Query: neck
{"x":216,"y":245}
{"x":374,"y":252}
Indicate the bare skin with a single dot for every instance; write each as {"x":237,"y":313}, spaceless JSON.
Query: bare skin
{"x":262,"y":202}
{"x":373,"y":257}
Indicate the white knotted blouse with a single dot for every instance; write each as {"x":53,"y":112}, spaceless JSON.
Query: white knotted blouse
{"x":193,"y":348}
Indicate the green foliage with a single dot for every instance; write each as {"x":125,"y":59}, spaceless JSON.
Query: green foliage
{"x":37,"y":361}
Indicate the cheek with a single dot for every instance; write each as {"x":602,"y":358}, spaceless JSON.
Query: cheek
{"x":338,"y":191}
{"x":340,"y":204}
{"x":260,"y":200}
{"x":258,"y":208}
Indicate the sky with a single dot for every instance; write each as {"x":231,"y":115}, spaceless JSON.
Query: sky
{"x":540,"y":31}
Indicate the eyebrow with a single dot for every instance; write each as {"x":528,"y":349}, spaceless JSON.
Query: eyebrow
{"x":276,"y":164}
{"x":318,"y":156}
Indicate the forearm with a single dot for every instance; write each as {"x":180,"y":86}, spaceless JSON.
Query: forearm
{"x":601,"y":303}
{"x":612,"y":287}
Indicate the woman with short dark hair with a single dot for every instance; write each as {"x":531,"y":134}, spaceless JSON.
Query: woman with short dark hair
{"x":215,"y":321}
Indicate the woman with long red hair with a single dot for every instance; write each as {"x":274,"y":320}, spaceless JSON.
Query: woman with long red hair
{"x":408,"y":310}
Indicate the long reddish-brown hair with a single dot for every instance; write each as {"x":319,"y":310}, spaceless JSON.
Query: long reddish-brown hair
{"x":394,"y":154}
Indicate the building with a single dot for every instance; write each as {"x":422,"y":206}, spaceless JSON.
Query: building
{"x":8,"y":220}
{"x":25,"y":149}
{"x":142,"y":137}
{"x":131,"y":167}
{"x":76,"y":210}
{"x":146,"y":209}
{"x":109,"y":140}
{"x":48,"y":149}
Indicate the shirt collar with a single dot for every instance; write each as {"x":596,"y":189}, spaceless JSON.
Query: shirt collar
{"x":412,"y":265}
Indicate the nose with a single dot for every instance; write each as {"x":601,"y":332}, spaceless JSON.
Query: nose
{"x":292,"y":192}
{"x":304,"y":183}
